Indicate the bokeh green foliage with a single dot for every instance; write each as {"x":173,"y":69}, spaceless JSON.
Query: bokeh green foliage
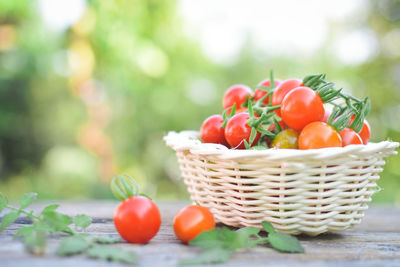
{"x":145,"y":65}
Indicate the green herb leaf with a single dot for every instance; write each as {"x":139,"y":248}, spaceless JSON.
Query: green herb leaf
{"x":242,"y":238}
{"x":104,"y":239}
{"x":56,"y":220}
{"x":72,"y":245}
{"x":35,"y":241}
{"x":82,"y":220}
{"x":51,"y":207}
{"x":215,"y":238}
{"x":3,"y":201}
{"x":27,"y":199}
{"x":284,"y":242}
{"x":23,"y":231}
{"x":8,"y":219}
{"x":112,"y":254}
{"x":218,"y":255}
{"x":268,"y":227}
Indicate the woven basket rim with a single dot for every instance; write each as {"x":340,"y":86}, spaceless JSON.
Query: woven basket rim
{"x":189,"y":140}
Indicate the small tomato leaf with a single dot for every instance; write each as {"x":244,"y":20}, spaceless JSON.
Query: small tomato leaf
{"x":242,"y":238}
{"x":105,"y":239}
{"x":82,"y":220}
{"x":284,"y":242}
{"x":268,"y":227}
{"x":72,"y":245}
{"x":112,"y":254}
{"x":26,"y":230}
{"x":3,"y":201}
{"x":56,"y":220}
{"x":51,"y":207}
{"x":207,"y":257}
{"x":27,"y":199}
{"x":8,"y":219}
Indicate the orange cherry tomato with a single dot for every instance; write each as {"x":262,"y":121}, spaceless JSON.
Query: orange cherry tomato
{"x":190,"y":221}
{"x":350,"y":137}
{"x":300,"y":107}
{"x":319,"y":135}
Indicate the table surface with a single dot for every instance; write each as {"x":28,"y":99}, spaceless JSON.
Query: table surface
{"x":375,"y":242}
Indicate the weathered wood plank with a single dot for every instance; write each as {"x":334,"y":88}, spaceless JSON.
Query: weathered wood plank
{"x":375,"y":242}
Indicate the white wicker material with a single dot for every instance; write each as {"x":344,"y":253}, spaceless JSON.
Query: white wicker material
{"x":298,"y":191}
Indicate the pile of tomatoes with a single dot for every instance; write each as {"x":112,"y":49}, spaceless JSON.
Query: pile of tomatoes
{"x":293,"y":114}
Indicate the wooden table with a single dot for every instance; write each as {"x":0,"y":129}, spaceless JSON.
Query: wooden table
{"x":375,"y":242}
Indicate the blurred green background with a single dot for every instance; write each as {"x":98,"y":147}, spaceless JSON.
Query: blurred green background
{"x":89,"y":88}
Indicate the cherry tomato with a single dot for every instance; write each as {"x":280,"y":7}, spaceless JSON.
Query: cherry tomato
{"x":272,"y":128}
{"x":365,"y":132}
{"x":237,"y":94}
{"x":282,"y":90}
{"x":191,"y":221}
{"x":237,"y":130}
{"x":137,"y":219}
{"x":319,"y":135}
{"x":350,"y":137}
{"x":211,"y":130}
{"x":259,"y":93}
{"x":300,"y":107}
{"x":286,"y":139}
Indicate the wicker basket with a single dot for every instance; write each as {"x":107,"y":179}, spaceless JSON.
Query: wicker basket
{"x":298,"y":191}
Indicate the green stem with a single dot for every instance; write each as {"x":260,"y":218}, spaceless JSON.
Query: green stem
{"x":23,"y":211}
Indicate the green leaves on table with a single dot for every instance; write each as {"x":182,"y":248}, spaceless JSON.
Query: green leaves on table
{"x":280,"y":241}
{"x":112,"y":254}
{"x":50,"y":221}
{"x":83,"y":221}
{"x":219,"y":243}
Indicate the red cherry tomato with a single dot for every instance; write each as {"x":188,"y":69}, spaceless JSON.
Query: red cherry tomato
{"x":211,"y":130}
{"x":259,"y":93}
{"x":319,"y":135}
{"x":282,"y":90}
{"x":350,"y":137}
{"x":191,"y":221}
{"x":237,"y":130}
{"x":365,"y":132}
{"x":237,"y":94}
{"x":300,"y":107}
{"x":137,"y":219}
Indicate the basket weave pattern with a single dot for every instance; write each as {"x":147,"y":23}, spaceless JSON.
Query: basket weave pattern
{"x":298,"y":191}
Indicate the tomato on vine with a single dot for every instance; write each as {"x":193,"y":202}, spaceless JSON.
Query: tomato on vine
{"x":236,"y":94}
{"x":237,"y":131}
{"x":190,"y":221}
{"x":260,"y":93}
{"x":137,"y":219}
{"x":350,"y":137}
{"x":211,"y":131}
{"x":282,"y":90}
{"x":300,"y":107}
{"x":319,"y":135}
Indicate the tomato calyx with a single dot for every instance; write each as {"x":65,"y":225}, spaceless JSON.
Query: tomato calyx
{"x":124,"y":187}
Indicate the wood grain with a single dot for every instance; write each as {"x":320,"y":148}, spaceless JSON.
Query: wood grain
{"x":375,"y":242}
